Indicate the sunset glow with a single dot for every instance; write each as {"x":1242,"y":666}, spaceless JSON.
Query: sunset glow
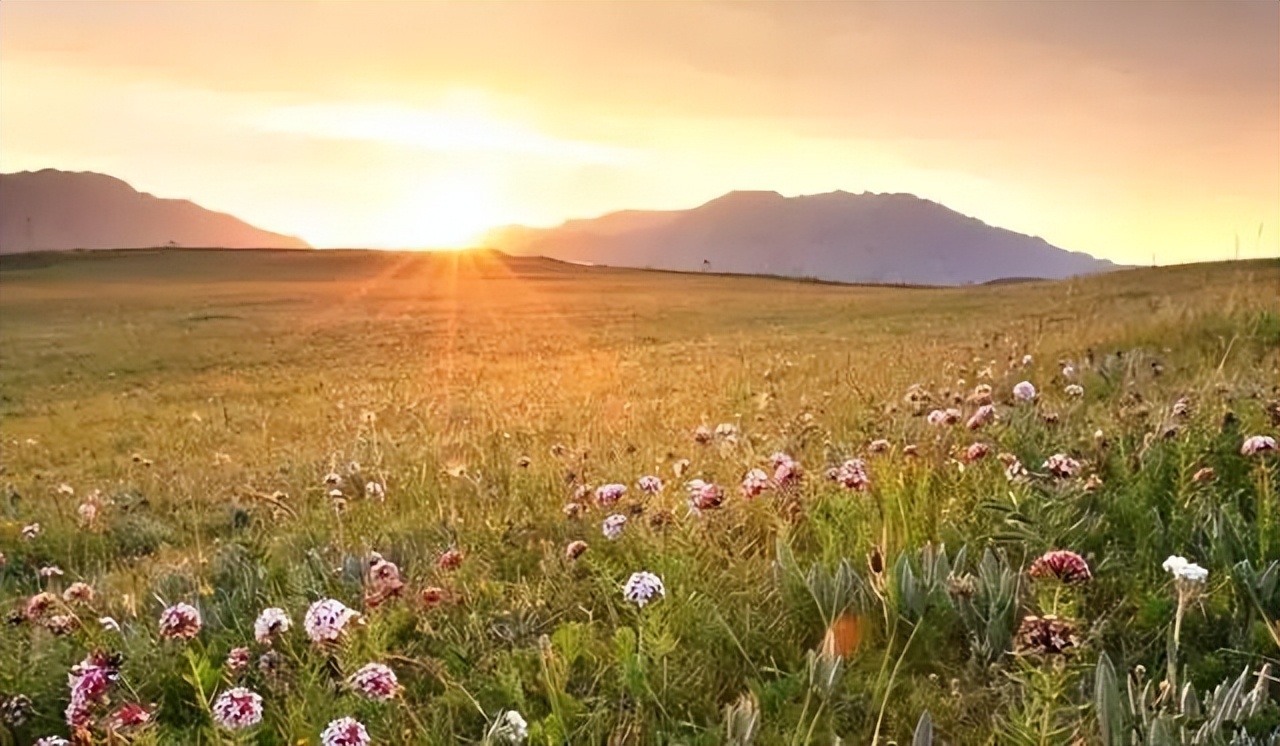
{"x":1105,"y":129}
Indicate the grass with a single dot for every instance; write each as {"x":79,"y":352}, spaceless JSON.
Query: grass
{"x":207,"y":394}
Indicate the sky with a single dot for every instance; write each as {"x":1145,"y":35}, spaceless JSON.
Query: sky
{"x":1135,"y":131}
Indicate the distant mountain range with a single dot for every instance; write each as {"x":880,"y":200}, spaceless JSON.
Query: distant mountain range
{"x":51,"y":210}
{"x":873,"y":238}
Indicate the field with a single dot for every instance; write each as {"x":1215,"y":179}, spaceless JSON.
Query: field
{"x":423,"y":439}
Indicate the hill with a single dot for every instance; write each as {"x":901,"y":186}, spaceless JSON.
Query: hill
{"x":52,"y":210}
{"x":877,"y":238}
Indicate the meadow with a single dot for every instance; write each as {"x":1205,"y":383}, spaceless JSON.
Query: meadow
{"x":860,"y":526}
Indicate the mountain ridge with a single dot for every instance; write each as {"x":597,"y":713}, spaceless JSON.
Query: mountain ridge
{"x":841,"y":236}
{"x":55,"y":210}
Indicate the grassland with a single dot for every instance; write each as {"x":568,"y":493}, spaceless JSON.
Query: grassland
{"x":205,"y":396}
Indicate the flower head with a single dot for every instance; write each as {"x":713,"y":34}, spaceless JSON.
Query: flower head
{"x":238,"y":708}
{"x":879,"y":445}
{"x":1062,"y":465}
{"x":326,"y":619}
{"x":81,"y":593}
{"x":983,"y":415}
{"x":786,"y":470}
{"x":345,"y":731}
{"x":609,"y":494}
{"x":704,"y":495}
{"x":649,"y":484}
{"x":939,"y":417}
{"x":375,"y":681}
{"x":375,"y":490}
{"x":509,"y":727}
{"x":1062,"y":565}
{"x":852,"y":475}
{"x":1074,"y":390}
{"x":754,"y":483}
{"x":129,"y":715}
{"x":1256,"y":444}
{"x":613,"y":525}
{"x":976,"y":452}
{"x":270,"y":624}
{"x":642,"y":587}
{"x":179,"y":622}
{"x":30,"y":531}
{"x":1024,"y":391}
{"x":450,"y":559}
{"x":237,"y":660}
{"x":575,"y":549}
{"x":1184,"y":571}
{"x":1046,"y":635}
{"x":52,"y":741}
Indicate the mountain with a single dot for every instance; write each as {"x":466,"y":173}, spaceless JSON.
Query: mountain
{"x":59,"y":210}
{"x":868,"y":237}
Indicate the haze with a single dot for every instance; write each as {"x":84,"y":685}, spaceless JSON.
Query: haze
{"x":1126,"y":130}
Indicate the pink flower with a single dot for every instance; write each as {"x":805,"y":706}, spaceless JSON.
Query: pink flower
{"x":326,"y":620}
{"x":384,"y":581}
{"x":1062,"y":465}
{"x":786,"y":470}
{"x":704,"y":495}
{"x":238,"y":708}
{"x":702,"y":434}
{"x":270,"y":624}
{"x":754,"y":483}
{"x":852,"y":474}
{"x":89,"y":682}
{"x":1024,"y":391}
{"x":608,"y":494}
{"x":984,"y":415}
{"x":451,"y":559}
{"x":78,"y":593}
{"x":179,"y":622}
{"x":1062,"y":565}
{"x":129,"y":716}
{"x":940,"y":417}
{"x":237,"y":660}
{"x":345,"y":732}
{"x":1256,"y":444}
{"x":650,"y":485}
{"x":375,"y":681}
{"x":976,"y":452}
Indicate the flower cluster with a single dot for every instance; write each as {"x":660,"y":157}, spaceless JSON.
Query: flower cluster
{"x":1046,"y":635}
{"x":612,"y":526}
{"x":1061,"y":465}
{"x":238,"y":708}
{"x":754,"y":483}
{"x":375,"y":681}
{"x":643,"y":587}
{"x":270,"y":625}
{"x":852,"y":474}
{"x":704,"y":495}
{"x":1024,"y":391}
{"x":1255,"y":444}
{"x":609,"y":494}
{"x":326,"y":620}
{"x":179,"y":622}
{"x":89,"y":681}
{"x":1062,"y":565}
{"x":649,"y":484}
{"x":346,"y":731}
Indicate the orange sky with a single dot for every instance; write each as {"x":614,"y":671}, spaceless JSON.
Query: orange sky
{"x":1121,"y":129}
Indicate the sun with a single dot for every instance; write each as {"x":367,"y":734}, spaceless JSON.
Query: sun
{"x":449,"y":211}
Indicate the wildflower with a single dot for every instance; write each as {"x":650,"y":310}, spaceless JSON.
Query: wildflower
{"x":433,"y":596}
{"x":727,"y":431}
{"x":89,"y":681}
{"x":702,"y":434}
{"x":375,"y":681}
{"x":704,"y":495}
{"x":608,"y":494}
{"x":1185,"y":572}
{"x":270,"y":624}
{"x":50,"y":571}
{"x":786,"y":470}
{"x":852,"y":475}
{"x":30,"y":531}
{"x":237,"y":660}
{"x":642,"y":587}
{"x":179,"y":622}
{"x":1205,"y":474}
{"x":1068,"y":371}
{"x":1026,"y":360}
{"x":575,"y":549}
{"x":87,"y":512}
{"x":754,"y":483}
{"x":1013,"y":469}
{"x":613,"y":525}
{"x":1182,"y":407}
{"x":62,"y":624}
{"x":981,"y":394}
{"x":1256,"y":444}
{"x":650,"y":485}
{"x":375,"y":491}
{"x":52,"y":741}
{"x":976,"y":452}
{"x":128,"y":716}
{"x":1074,"y":390}
{"x":384,"y":581}
{"x":238,"y":708}
{"x":451,"y":559}
{"x":983,"y":415}
{"x":939,"y":417}
{"x":880,"y":445}
{"x":1062,"y":465}
{"x":509,"y":727}
{"x":1046,"y":635}
{"x":1061,"y":564}
{"x":39,"y":604}
{"x":109,"y":624}
{"x":1024,"y":391}
{"x":326,"y":620}
{"x":271,"y":665}
{"x":16,"y":710}
{"x":333,"y":479}
{"x":345,"y":731}
{"x":78,"y":593}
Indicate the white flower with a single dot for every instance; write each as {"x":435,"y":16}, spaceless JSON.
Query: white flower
{"x":269,"y":624}
{"x":345,"y":732}
{"x":326,"y":619}
{"x":1256,"y":444}
{"x":649,"y":484}
{"x":375,"y":681}
{"x":333,"y":479}
{"x":613,"y":525}
{"x":53,"y":741}
{"x":31,"y":530}
{"x":238,"y":708}
{"x":509,"y":727}
{"x":375,"y":490}
{"x":1184,"y":570}
{"x":109,"y":624}
{"x":1024,"y":391}
{"x":1068,"y":371}
{"x":1074,"y":390}
{"x":1026,"y":360}
{"x":642,"y":587}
